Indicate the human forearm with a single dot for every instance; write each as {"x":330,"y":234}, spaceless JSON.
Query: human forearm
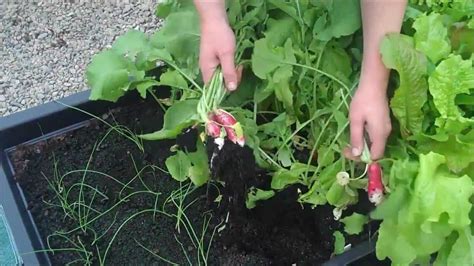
{"x":369,"y":110}
{"x":211,"y":10}
{"x":379,"y":17}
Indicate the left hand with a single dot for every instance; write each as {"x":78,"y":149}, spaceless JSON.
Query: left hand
{"x":369,"y":111}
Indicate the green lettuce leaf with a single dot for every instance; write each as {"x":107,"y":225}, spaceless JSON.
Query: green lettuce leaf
{"x":398,"y":53}
{"x":462,"y":252}
{"x":451,"y":77}
{"x":431,"y":36}
{"x":432,"y":185}
{"x":438,"y":204}
{"x":457,"y":151}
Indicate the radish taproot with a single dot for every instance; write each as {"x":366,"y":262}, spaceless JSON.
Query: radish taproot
{"x":232,"y":128}
{"x":375,"y":187}
{"x":213,"y":129}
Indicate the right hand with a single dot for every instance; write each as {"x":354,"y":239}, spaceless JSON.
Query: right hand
{"x":218,"y":48}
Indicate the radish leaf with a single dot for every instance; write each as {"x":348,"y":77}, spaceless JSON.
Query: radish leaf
{"x":339,"y":242}
{"x":255,"y":195}
{"x":180,"y":37}
{"x":178,"y":165}
{"x":178,"y":117}
{"x":354,"y":224}
{"x":343,"y":19}
{"x":110,"y":75}
{"x":199,"y":172}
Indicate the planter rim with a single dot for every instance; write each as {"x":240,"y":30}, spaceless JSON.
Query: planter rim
{"x":45,"y":120}
{"x":15,"y":129}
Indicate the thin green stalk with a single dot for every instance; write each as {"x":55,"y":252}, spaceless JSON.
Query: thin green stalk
{"x":120,"y":228}
{"x":87,"y":186}
{"x":122,"y":130}
{"x":184,"y":74}
{"x":184,"y":250}
{"x":81,"y":195}
{"x":316,"y":143}
{"x":95,"y":172}
{"x":322,"y":73}
{"x":298,"y":129}
{"x":96,"y":239}
{"x":313,"y":186}
{"x":154,"y":254}
{"x":269,"y":158}
{"x":157,"y":100}
{"x":113,"y":207}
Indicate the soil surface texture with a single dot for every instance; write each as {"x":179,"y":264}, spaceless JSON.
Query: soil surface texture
{"x":96,"y":197}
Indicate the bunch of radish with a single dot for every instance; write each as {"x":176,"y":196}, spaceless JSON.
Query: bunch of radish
{"x":218,"y":122}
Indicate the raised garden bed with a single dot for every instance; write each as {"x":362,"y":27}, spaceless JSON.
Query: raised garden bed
{"x":278,"y":231}
{"x":164,"y":180}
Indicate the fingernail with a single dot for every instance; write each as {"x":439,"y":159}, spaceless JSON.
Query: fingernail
{"x":231,"y":86}
{"x":355,"y":152}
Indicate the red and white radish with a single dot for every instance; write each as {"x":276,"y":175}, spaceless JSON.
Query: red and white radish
{"x":375,"y":187}
{"x":232,"y":128}
{"x":213,"y":129}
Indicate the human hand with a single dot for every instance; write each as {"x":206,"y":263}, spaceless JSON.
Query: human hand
{"x":369,"y":111}
{"x":218,"y":48}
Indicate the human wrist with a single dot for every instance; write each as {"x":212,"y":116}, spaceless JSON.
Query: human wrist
{"x":211,"y":11}
{"x":374,"y":75}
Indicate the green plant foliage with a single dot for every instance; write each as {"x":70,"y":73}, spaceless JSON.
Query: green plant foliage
{"x":301,"y":64}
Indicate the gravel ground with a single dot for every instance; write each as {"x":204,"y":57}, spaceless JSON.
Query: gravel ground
{"x":45,"y":46}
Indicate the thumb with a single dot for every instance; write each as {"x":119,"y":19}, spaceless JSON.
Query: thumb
{"x":229,"y":71}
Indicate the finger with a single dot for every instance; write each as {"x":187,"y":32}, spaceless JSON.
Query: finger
{"x":347,"y":152}
{"x":377,"y":149}
{"x":240,"y":68}
{"x":228,"y":69}
{"x":357,"y":136}
{"x":207,"y":63}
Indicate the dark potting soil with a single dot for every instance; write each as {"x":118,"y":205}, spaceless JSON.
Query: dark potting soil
{"x":111,"y":219}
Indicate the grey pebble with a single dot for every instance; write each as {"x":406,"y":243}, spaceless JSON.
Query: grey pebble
{"x":42,"y":35}
{"x":46,"y":45}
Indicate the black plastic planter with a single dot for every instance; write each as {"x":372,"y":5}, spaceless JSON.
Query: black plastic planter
{"x":54,"y":118}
